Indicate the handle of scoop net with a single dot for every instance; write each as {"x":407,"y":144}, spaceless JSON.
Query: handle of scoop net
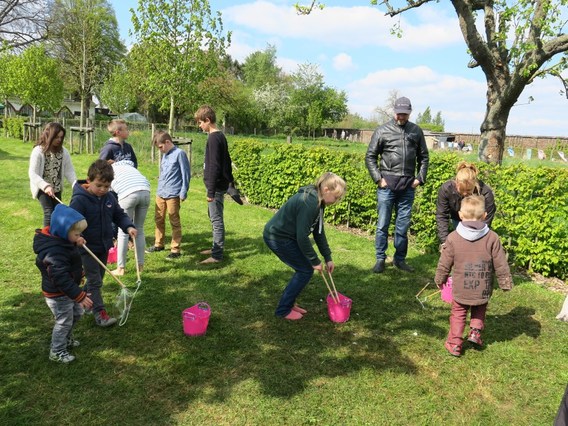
{"x":433,"y":294}
{"x":328,"y":288}
{"x":88,"y":250}
{"x":423,"y":288}
{"x":333,"y":285}
{"x":137,"y":264}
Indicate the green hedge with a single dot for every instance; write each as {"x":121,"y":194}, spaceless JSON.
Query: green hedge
{"x":532,"y":203}
{"x":14,"y":126}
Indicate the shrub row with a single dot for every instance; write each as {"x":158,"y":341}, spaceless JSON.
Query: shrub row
{"x":532,"y":203}
{"x":14,"y":126}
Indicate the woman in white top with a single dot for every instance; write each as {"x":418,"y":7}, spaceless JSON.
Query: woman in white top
{"x":50,"y":162}
{"x":133,"y":193}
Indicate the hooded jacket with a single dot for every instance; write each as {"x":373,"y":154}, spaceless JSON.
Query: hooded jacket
{"x":59,"y":260}
{"x":115,"y":151}
{"x":449,"y":204}
{"x":402,"y":149}
{"x":475,"y":254}
{"x":300,"y":217}
{"x":100,"y":213}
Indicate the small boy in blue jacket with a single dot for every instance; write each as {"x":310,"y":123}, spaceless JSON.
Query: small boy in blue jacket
{"x":59,"y":262}
{"x":94,"y":200}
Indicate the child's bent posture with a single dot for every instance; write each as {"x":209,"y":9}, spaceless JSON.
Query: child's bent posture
{"x":59,"y":262}
{"x":93,"y":200}
{"x":476,"y":255}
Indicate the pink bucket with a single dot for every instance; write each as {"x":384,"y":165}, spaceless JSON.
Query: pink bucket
{"x":339,"y":312}
{"x":196,"y":319}
{"x":111,"y":257}
{"x":446,"y":294}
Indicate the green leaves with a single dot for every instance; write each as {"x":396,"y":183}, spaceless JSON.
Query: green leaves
{"x":532,"y":203}
{"x":178,"y":46}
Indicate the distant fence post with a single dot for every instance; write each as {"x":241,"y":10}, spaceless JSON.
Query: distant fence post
{"x":152,"y":150}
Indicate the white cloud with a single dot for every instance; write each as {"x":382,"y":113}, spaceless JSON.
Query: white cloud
{"x":344,"y":26}
{"x":455,"y":97}
{"x":288,"y":65}
{"x":343,"y":62}
{"x":461,"y":100}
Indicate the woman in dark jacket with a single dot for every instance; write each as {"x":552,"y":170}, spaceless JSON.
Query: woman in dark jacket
{"x":287,"y":234}
{"x":452,"y":192}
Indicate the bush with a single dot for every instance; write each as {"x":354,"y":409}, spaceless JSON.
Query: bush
{"x":14,"y":126}
{"x":532,"y":206}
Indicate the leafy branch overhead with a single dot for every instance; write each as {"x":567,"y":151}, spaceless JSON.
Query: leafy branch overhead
{"x":517,"y":42}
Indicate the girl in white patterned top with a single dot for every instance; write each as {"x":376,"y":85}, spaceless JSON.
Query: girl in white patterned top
{"x":50,"y":162}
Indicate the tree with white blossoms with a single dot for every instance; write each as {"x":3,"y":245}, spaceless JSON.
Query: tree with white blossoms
{"x":273,"y":100}
{"x":520,"y":40}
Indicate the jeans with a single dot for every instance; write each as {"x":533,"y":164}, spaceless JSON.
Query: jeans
{"x":215,"y":210}
{"x":458,"y":318}
{"x":94,"y":274}
{"x":289,"y":252}
{"x":171,"y":206}
{"x":47,"y":204}
{"x":402,"y":203}
{"x":66,"y":313}
{"x":136,"y":207}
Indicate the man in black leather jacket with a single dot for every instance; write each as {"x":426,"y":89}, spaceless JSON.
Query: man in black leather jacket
{"x":403,"y":164}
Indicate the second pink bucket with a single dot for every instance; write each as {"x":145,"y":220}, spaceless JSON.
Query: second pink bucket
{"x":196,"y":319}
{"x":112,"y":254}
{"x":447,"y":291}
{"x":339,"y":312}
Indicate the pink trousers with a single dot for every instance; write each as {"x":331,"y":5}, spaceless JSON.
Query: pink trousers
{"x":458,"y":317}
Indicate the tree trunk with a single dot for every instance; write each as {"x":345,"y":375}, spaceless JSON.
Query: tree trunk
{"x":492,"y":145}
{"x":171,"y":123}
{"x":82,"y":116}
{"x":499,"y":104}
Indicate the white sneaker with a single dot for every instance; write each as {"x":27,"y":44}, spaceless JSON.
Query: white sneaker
{"x":72,"y":343}
{"x":62,"y":356}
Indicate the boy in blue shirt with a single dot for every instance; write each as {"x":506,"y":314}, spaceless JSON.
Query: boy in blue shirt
{"x":94,"y":200}
{"x":173,"y":185}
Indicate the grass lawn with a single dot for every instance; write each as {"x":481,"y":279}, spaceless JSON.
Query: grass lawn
{"x":386,"y":366}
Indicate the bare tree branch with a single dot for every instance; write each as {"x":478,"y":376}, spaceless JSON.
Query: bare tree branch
{"x":22,"y":22}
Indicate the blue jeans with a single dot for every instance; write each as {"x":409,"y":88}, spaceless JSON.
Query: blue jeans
{"x":66,"y":313}
{"x":94,"y":273}
{"x":215,"y":209}
{"x":47,"y":204}
{"x":402,"y":203}
{"x":289,"y":252}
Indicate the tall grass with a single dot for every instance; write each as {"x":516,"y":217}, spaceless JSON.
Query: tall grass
{"x":386,"y":366}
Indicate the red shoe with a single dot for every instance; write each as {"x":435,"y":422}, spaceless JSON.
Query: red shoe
{"x":293,"y":315}
{"x":475,"y":337}
{"x":454,"y":350}
{"x":300,"y":310}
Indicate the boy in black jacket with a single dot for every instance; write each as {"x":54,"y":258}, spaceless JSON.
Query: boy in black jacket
{"x":94,"y":200}
{"x":59,"y":262}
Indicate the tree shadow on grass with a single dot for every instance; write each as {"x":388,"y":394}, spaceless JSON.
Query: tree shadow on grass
{"x":156,"y":371}
{"x":519,"y":321}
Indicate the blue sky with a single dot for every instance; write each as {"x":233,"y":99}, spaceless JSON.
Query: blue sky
{"x":351,"y":43}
